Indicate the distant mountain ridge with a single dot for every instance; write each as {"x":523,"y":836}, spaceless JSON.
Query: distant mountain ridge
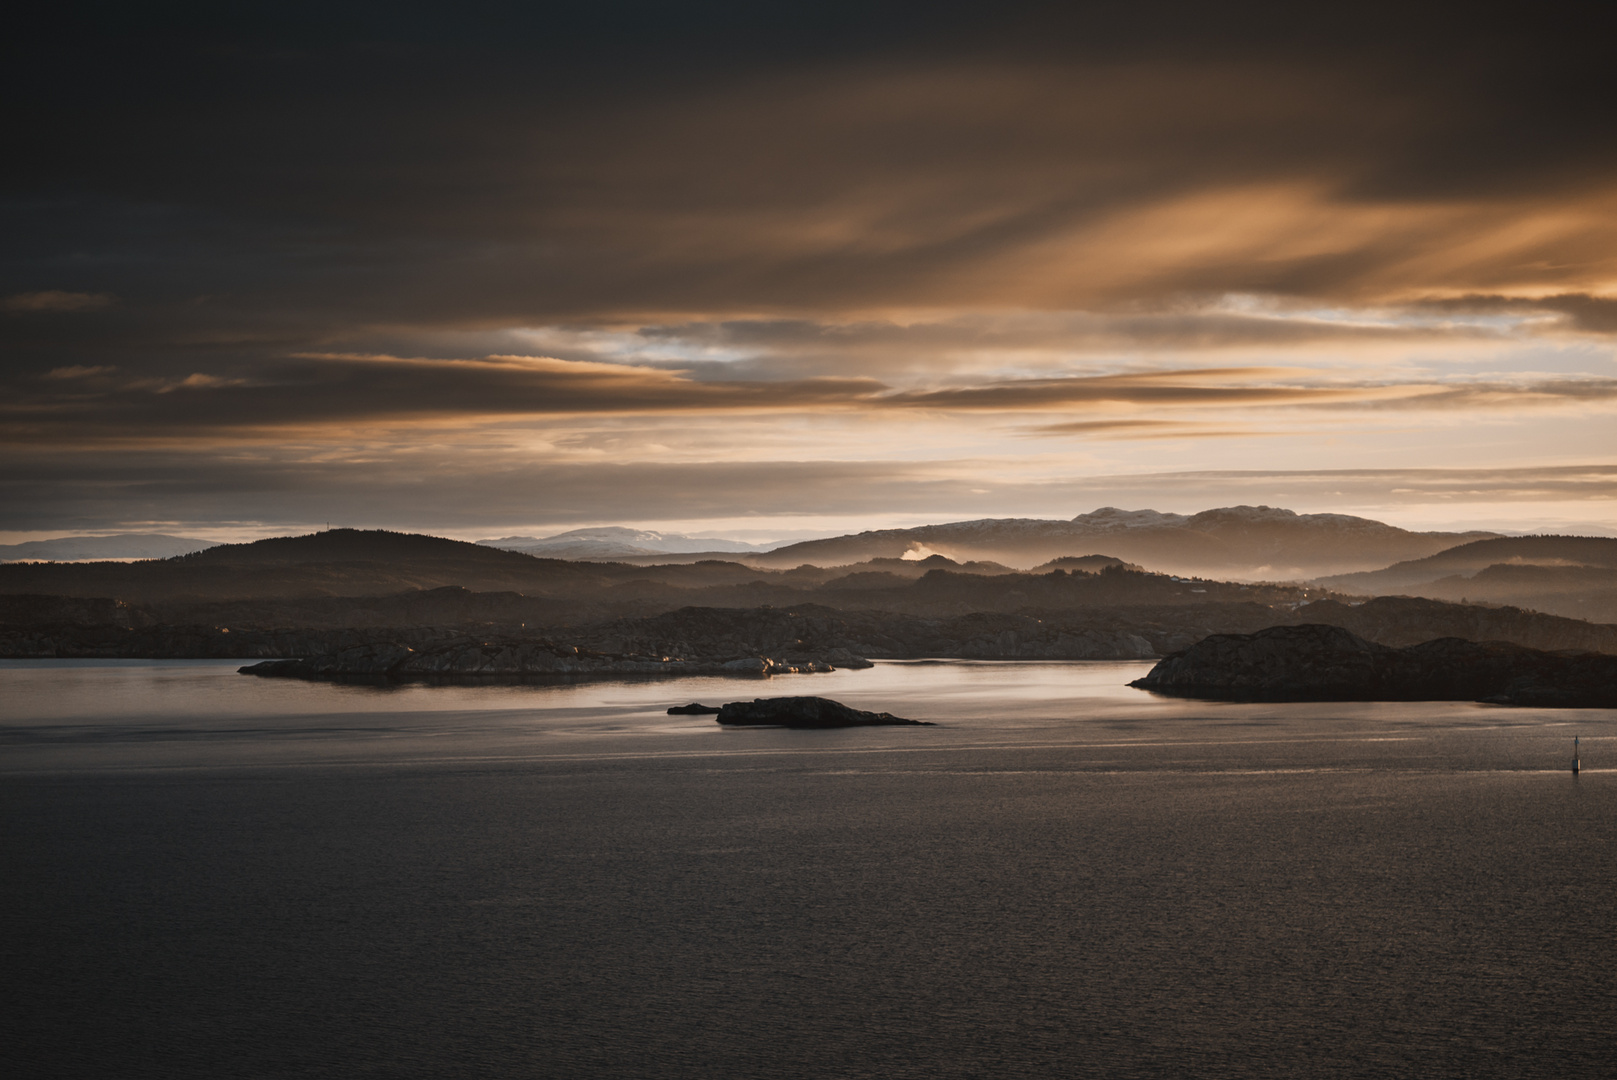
{"x":1575,"y":576}
{"x":355,"y":563}
{"x":346,"y":580}
{"x":1251,"y":542}
{"x":339,"y":562}
{"x":1468,"y":559}
{"x":616,"y":542}
{"x":110,"y":546}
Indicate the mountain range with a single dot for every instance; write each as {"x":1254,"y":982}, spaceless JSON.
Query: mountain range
{"x":1563,"y":575}
{"x":1575,"y":576}
{"x":349,"y":580}
{"x":113,"y":546}
{"x":616,"y":542}
{"x":1244,"y":542}
{"x":350,"y":564}
{"x":1252,"y":543}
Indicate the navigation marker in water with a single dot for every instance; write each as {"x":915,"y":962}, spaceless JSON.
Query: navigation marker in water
{"x":1577,"y":766}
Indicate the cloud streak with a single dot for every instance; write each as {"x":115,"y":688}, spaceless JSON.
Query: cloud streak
{"x":499,"y":490}
{"x":1147,"y":236}
{"x":311,"y":392}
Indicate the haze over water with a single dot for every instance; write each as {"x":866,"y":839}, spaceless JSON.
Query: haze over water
{"x":212,"y":875}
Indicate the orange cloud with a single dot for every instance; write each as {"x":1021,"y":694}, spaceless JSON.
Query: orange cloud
{"x":311,"y":392}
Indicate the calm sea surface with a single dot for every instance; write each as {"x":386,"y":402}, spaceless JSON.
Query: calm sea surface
{"x":204,"y":874}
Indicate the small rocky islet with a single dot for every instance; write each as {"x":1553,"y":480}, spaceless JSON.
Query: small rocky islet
{"x":794,"y":712}
{"x":1316,"y":662}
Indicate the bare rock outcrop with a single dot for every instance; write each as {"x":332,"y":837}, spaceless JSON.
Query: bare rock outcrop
{"x":806,"y":712}
{"x":1315,"y":662}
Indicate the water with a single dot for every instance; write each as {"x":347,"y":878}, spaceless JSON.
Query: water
{"x":212,"y":875}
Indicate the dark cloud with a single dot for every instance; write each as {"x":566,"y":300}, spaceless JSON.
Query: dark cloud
{"x":1388,"y":486}
{"x":1572,"y":311}
{"x":1485,"y":394}
{"x":1217,"y":387}
{"x":226,"y":223}
{"x":82,"y":403}
{"x":310,"y":393}
{"x":1141,"y":429}
{"x":495,"y":491}
{"x":314,"y":172}
{"x":769,"y":348}
{"x":480,"y":492}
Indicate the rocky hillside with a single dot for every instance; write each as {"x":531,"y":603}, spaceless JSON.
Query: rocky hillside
{"x":346,"y":578}
{"x":349,"y":563}
{"x":1575,"y":576}
{"x":1313,"y":662}
{"x":1403,"y":620}
{"x":1466,"y":559}
{"x":812,"y":631}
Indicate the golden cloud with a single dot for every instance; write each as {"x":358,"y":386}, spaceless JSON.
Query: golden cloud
{"x":310,"y":392}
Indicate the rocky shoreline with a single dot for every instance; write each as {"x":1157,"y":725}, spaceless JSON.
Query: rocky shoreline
{"x":1315,"y":662}
{"x":794,"y":637}
{"x":63,"y":627}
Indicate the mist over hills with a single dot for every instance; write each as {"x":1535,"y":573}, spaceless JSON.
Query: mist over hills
{"x":348,"y":564}
{"x":615,"y":541}
{"x":369,"y":563}
{"x":1466,"y":559}
{"x":1575,"y":576}
{"x":336,"y":563}
{"x":1242,"y":542}
{"x":1245,"y":542}
{"x":112,"y":546}
{"x":288,"y":595}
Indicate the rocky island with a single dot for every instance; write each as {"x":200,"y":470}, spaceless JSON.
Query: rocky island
{"x":806,"y":712}
{"x":1315,"y":662}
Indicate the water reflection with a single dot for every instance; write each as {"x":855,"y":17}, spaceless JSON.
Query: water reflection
{"x":152,"y":714}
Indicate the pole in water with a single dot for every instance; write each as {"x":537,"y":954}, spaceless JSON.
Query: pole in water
{"x":1577,"y":766}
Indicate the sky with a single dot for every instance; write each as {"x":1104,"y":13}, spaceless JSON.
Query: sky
{"x":771,"y":271}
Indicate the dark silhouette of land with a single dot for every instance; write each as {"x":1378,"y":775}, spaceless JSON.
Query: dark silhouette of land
{"x":1565,"y":575}
{"x":113,"y":546}
{"x":380,"y":605}
{"x":1241,"y":541}
{"x":806,"y":712}
{"x":1315,"y":662}
{"x":348,"y":578}
{"x":614,"y":542}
